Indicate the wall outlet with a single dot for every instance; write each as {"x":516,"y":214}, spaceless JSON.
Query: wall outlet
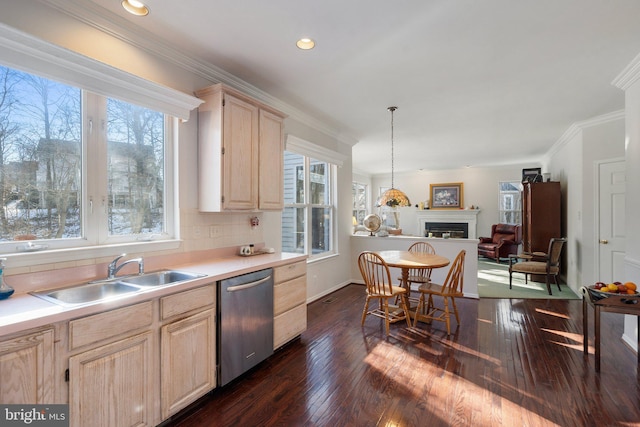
{"x":215,"y":231}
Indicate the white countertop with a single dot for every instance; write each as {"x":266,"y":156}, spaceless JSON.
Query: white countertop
{"x":25,"y":311}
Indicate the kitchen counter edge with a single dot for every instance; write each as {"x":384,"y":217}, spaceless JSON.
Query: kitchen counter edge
{"x":23,"y":312}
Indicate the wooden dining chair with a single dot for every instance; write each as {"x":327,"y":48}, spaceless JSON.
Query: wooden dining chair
{"x":449,"y":290}
{"x":377,"y":278}
{"x":420,"y":275}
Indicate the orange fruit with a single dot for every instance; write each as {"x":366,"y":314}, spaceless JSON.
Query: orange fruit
{"x":631,"y":286}
{"x":631,"y":291}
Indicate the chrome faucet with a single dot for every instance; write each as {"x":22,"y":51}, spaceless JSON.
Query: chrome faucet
{"x":113,"y":268}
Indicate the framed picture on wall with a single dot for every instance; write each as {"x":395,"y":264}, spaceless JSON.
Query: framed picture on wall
{"x":446,"y":196}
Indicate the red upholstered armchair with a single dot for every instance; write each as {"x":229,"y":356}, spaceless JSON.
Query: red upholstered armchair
{"x":504,"y":241}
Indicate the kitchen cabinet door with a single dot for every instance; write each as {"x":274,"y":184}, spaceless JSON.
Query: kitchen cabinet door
{"x":188,"y":365}
{"x":240,"y":154}
{"x":27,"y":368}
{"x":112,"y":385}
{"x":227,"y":151}
{"x":271,"y":182}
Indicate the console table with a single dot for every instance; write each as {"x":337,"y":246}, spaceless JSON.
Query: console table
{"x":623,"y":304}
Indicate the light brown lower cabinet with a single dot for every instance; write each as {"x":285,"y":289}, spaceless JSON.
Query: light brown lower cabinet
{"x":108,"y":385}
{"x":289,"y":302}
{"x":188,"y":362}
{"x":27,"y":368}
{"x":187,"y":347}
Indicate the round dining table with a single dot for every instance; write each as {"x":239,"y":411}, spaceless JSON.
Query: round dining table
{"x":407,"y":260}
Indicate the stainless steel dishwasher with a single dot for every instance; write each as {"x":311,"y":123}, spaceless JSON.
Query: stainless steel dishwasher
{"x":245,"y":319}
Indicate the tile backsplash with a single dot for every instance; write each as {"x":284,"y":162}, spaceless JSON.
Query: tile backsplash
{"x":202,"y":231}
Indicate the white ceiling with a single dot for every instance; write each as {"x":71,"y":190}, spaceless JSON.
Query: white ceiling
{"x":477,"y":83}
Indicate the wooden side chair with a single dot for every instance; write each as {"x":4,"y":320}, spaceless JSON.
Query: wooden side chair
{"x":539,"y":263}
{"x":377,"y":277}
{"x":420,"y":275}
{"x":449,"y":290}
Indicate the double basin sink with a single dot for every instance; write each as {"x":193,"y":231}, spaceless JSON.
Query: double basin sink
{"x":107,"y":290}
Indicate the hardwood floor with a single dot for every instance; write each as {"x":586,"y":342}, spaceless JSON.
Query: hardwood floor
{"x":510,"y":363}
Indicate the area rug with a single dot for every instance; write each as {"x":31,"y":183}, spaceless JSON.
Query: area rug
{"x":493,"y":282}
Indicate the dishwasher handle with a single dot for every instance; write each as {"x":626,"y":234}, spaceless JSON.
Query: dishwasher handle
{"x":248,"y":285}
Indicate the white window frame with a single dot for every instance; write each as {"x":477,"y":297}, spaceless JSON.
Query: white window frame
{"x":365,"y":188}
{"x":501,"y":212}
{"x":309,"y":150}
{"x":32,"y":55}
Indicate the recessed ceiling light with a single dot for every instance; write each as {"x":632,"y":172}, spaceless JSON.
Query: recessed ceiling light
{"x":135,"y":7}
{"x":305,"y":44}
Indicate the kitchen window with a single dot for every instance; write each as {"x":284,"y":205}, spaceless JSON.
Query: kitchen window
{"x":360,"y":202}
{"x":79,"y":171}
{"x":76,"y":168}
{"x":308,"y":218}
{"x":510,"y":202}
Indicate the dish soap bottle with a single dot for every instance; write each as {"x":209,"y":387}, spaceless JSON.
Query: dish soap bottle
{"x":5,"y":290}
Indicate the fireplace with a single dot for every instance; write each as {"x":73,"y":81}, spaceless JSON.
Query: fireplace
{"x":459,"y":223}
{"x":456,"y":230}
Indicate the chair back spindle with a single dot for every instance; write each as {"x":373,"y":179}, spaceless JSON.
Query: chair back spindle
{"x":420,"y":275}
{"x":451,"y":289}
{"x":377,"y":278}
{"x":454,"y":283}
{"x":375,"y":272}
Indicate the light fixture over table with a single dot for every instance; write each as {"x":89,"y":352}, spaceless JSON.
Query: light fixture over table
{"x":393,"y":197}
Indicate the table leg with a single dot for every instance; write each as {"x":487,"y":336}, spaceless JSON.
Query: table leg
{"x":405,"y":284}
{"x":596,"y":322}
{"x":405,"y":279}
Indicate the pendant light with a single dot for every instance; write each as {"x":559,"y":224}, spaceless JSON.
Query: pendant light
{"x":393,"y":197}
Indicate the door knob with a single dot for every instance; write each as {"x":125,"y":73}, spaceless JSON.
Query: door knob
{"x":604,"y":241}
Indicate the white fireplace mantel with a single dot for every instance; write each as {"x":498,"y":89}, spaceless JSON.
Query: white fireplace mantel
{"x":469,"y":216}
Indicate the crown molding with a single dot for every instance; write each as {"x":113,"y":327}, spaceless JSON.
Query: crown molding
{"x":309,"y":149}
{"x":577,"y":127}
{"x":31,"y":54}
{"x":629,"y":75}
{"x":362,"y":173}
{"x":109,"y":23}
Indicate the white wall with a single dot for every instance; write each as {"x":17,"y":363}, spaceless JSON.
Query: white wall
{"x":629,"y":81}
{"x":566,"y":167}
{"x":604,"y":142}
{"x":573,"y":161}
{"x":480,"y":188}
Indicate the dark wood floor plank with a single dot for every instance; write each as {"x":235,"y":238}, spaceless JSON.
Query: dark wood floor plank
{"x":510,"y":362}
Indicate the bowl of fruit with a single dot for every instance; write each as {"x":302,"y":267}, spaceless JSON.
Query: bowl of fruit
{"x":615,"y":288}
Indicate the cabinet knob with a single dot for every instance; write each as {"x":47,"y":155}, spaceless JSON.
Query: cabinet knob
{"x":603,"y":241}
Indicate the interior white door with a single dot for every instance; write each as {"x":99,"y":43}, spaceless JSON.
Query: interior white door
{"x":611,"y":231}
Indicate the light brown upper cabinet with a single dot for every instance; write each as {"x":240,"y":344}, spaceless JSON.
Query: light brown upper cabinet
{"x":241,"y":146}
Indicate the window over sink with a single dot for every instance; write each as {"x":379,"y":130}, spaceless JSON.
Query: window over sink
{"x":77,"y":168}
{"x":71,"y":128}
